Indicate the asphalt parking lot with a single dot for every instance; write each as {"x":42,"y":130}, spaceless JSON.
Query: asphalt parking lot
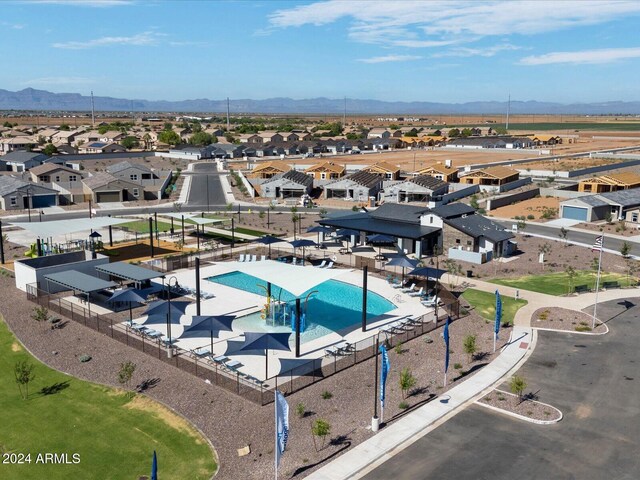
{"x":593,"y":380}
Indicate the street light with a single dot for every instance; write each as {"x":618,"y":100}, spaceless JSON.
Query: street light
{"x":169,"y":345}
{"x":40,"y":213}
{"x":29,"y":202}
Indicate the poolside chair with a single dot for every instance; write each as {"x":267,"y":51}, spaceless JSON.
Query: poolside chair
{"x":241,"y":257}
{"x":431,"y":302}
{"x":263,"y":258}
{"x":254,"y":258}
{"x":409,"y":289}
{"x":323,"y":264}
{"x":329,"y":265}
{"x":294,"y":261}
{"x":418,"y":293}
{"x":332,"y":351}
{"x":400,"y":284}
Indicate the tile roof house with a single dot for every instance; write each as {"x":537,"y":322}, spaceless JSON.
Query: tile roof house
{"x":326,"y":171}
{"x":22,"y":160}
{"x":53,"y":173}
{"x":104,"y":187}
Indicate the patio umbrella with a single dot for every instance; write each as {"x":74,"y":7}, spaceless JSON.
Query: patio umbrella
{"x":318,"y":229}
{"x":402,"y":261}
{"x":164,"y":307}
{"x":268,"y":240}
{"x":266,"y":341}
{"x":429,"y":272}
{"x":127,"y":295}
{"x":347,"y":232}
{"x":211,"y":324}
{"x":302,"y":242}
{"x":380,"y":239}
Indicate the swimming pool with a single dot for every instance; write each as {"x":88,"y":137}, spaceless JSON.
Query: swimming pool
{"x":333,"y":306}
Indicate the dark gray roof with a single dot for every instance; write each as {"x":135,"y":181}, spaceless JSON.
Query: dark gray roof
{"x":428,"y":181}
{"x":22,"y":156}
{"x":484,"y":142}
{"x":479,"y":226}
{"x":591,"y":200}
{"x":74,"y":280}
{"x":453,"y":210}
{"x":298,"y":177}
{"x":626,"y":198}
{"x":365,"y":223}
{"x":9,"y":184}
{"x":128,"y":271}
{"x":365,"y":179}
{"x":118,"y":167}
{"x":399,"y":213}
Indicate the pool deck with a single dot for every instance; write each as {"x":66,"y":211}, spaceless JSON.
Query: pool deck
{"x":231,"y":301}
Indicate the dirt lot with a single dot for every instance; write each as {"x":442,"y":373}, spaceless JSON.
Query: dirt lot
{"x":615,"y":228}
{"x":533,"y":206}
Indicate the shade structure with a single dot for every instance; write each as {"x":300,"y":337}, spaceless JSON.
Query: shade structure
{"x":380,"y":238}
{"x":210,"y":324}
{"x":66,"y":227}
{"x":318,"y":229}
{"x":302,"y":242}
{"x":127,"y":295}
{"x":347,"y":232}
{"x":268,"y":240}
{"x":266,"y":341}
{"x":163,"y":307}
{"x":429,"y":272}
{"x":402,"y":261}
{"x":95,"y":234}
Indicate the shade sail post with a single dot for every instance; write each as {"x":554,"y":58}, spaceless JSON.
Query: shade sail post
{"x":297,"y":327}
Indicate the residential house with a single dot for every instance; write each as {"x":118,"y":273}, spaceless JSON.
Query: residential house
{"x":250,"y":138}
{"x":8,"y":145}
{"x":269,"y":169}
{"x":265,"y":150}
{"x":66,"y":149}
{"x":86,"y":137}
{"x":269,"y":137}
{"x":292,"y":184}
{"x":545,"y":140}
{"x":379,"y":133}
{"x":53,"y":173}
{"x":289,"y":136}
{"x":477,"y":143}
{"x":227,"y":150}
{"x":65,"y":137}
{"x":422,"y":188}
{"x":441,"y":172}
{"x":326,"y":171}
{"x":17,"y":194}
{"x":192,"y":153}
{"x":610,"y":182}
{"x":384,"y":170}
{"x":21,"y":160}
{"x":112,"y":137}
{"x":104,"y":187}
{"x":359,"y":186}
{"x":101,"y":147}
{"x":618,"y":205}
{"x":494,"y":176}
{"x":154,"y":182}
{"x":47,"y":134}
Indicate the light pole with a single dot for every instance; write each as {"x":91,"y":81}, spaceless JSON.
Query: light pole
{"x":29,"y":202}
{"x":168,"y":286}
{"x":40,"y":214}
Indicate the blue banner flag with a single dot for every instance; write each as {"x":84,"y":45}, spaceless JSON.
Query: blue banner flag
{"x":154,"y":467}
{"x":282,"y":425}
{"x":498,"y":313}
{"x":445,"y":334}
{"x":383,"y":373}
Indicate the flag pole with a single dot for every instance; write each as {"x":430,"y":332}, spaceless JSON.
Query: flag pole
{"x":595,"y":306}
{"x":495,"y":337}
{"x":275,"y":451}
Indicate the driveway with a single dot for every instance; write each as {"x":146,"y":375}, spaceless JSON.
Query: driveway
{"x":205,"y":189}
{"x":593,"y":380}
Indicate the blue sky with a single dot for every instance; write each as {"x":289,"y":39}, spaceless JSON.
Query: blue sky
{"x":443,"y":51}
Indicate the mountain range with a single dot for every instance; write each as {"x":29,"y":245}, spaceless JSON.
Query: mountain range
{"x":42,"y":100}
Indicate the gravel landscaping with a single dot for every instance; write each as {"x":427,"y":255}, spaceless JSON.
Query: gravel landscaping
{"x":528,"y":407}
{"x":344,"y":400}
{"x":556,"y":318}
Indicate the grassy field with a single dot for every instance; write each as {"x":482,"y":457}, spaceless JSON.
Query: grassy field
{"x":485,"y":304}
{"x":142,"y":226}
{"x":558,"y":283}
{"x":113,"y":432}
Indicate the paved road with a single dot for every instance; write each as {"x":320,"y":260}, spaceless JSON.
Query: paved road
{"x":206,"y":189}
{"x":586,"y":238}
{"x":594,"y":381}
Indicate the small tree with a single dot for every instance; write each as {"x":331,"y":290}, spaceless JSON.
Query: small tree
{"x":23,"y":372}
{"x":40,"y":314}
{"x":126,"y":373}
{"x":625,"y":249}
{"x":571,"y":274}
{"x":320,"y":428}
{"x":521,"y":225}
{"x":470,"y":346}
{"x":300,"y":409}
{"x":608,"y":218}
{"x":517,"y":385}
{"x":563,"y":234}
{"x":407,"y":381}
{"x":544,"y":249}
{"x":49,"y":149}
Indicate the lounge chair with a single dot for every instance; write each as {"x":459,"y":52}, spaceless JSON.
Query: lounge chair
{"x":332,"y":351}
{"x":241,"y":257}
{"x":399,"y":284}
{"x":263,"y":258}
{"x":254,"y":258}
{"x":329,"y":265}
{"x":323,"y":264}
{"x":418,"y":293}
{"x":431,"y":302}
{"x":409,"y":289}
{"x":294,"y":261}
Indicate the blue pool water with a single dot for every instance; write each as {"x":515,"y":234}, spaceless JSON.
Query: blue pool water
{"x":335,"y":305}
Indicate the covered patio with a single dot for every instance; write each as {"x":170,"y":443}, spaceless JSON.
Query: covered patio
{"x":78,"y":282}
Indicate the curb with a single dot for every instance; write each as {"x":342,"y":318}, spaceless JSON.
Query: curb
{"x":522,"y":417}
{"x":573,"y":331}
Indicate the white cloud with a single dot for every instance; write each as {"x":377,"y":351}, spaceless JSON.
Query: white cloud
{"x":417,"y":24}
{"x":85,"y":3}
{"x":605,"y":55}
{"x":390,"y":58}
{"x":61,"y":81}
{"x":144,"y":39}
{"x":477,"y":52}
{"x":15,"y":26}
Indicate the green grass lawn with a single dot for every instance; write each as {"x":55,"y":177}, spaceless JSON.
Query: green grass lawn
{"x":485,"y":304}
{"x":142,"y":226}
{"x":113,"y":432}
{"x":558,"y":283}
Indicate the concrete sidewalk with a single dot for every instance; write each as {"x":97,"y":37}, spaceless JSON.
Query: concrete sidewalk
{"x":394,"y":438}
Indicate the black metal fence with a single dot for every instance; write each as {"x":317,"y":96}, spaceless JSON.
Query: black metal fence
{"x":262,"y":393}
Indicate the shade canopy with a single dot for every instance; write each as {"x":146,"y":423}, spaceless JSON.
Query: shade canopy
{"x":127,"y":271}
{"x":269,"y":239}
{"x":210,"y":324}
{"x":302,"y":242}
{"x":294,"y":279}
{"x":162,"y":307}
{"x":429,"y":272}
{"x":64,"y":227}
{"x":78,"y":281}
{"x":319,"y":229}
{"x":204,"y":221}
{"x":126,"y":295}
{"x":380,"y":238}
{"x":266,"y":341}
{"x":402,"y":261}
{"x":95,"y":234}
{"x":347,"y":232}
